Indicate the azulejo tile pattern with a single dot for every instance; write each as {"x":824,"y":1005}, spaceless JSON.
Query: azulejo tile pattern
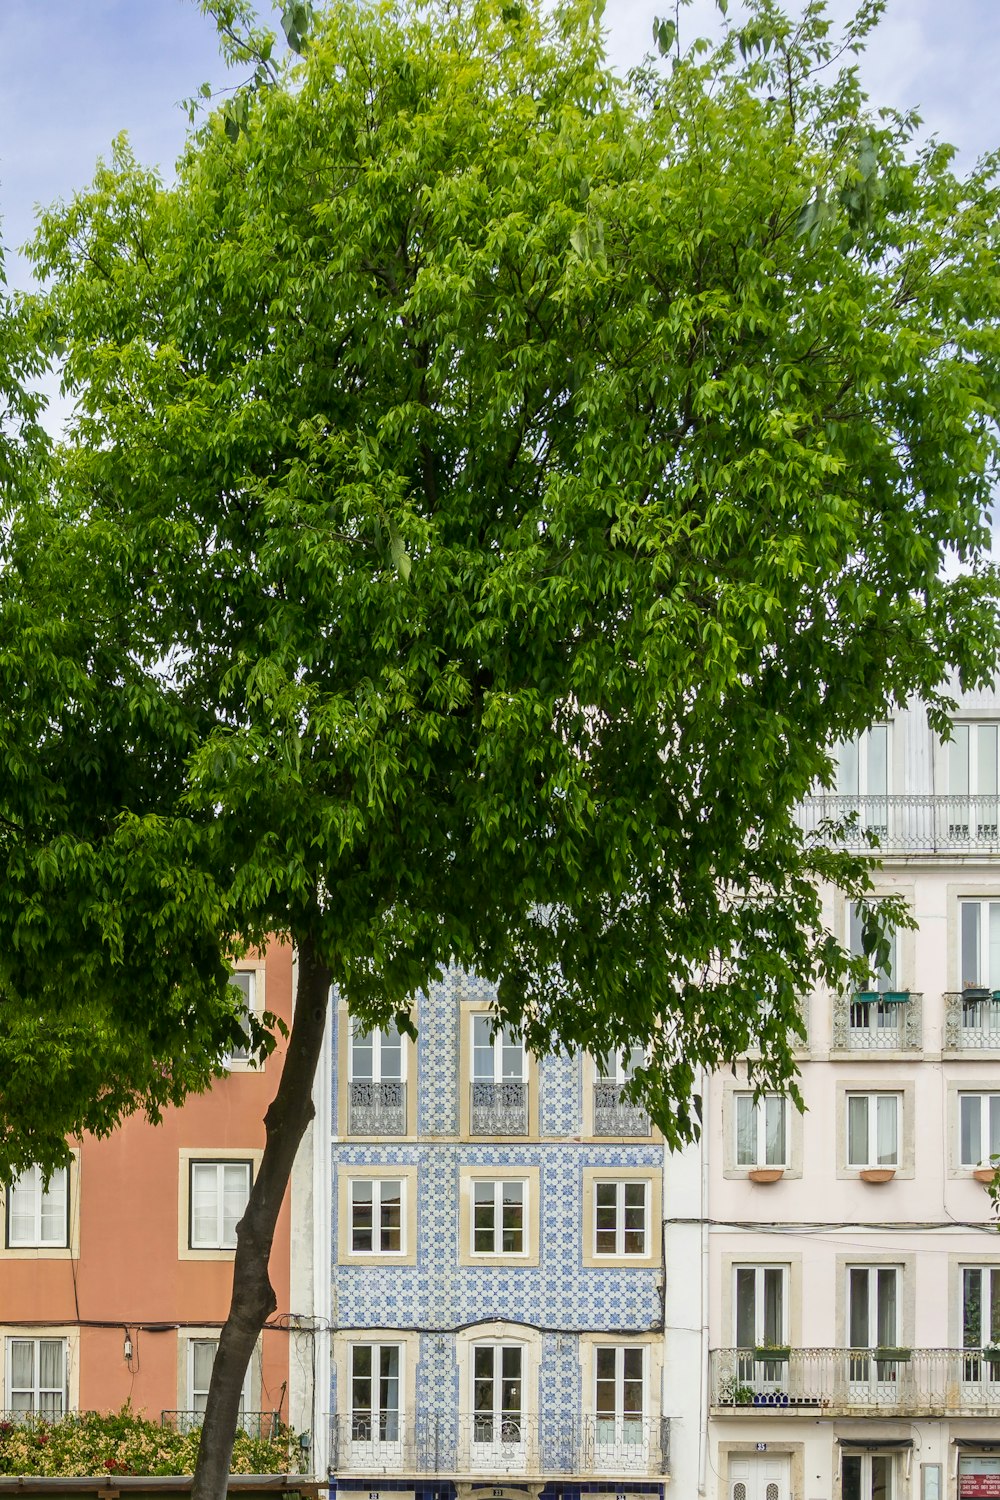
{"x":437,"y":1297}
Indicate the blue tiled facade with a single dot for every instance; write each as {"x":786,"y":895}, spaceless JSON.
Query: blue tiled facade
{"x":559,"y":1301}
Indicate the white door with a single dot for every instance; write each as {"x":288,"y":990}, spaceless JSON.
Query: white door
{"x":758,"y":1479}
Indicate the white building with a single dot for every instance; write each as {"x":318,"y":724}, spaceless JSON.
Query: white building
{"x":835,"y":1276}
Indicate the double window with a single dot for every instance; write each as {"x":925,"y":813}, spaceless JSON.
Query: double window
{"x":376,"y":1081}
{"x":760,"y":1297}
{"x":621,"y":1218}
{"x":499,"y":1090}
{"x":873,"y":1124}
{"x":867,"y":1476}
{"x":979,"y":1128}
{"x":36,"y":1376}
{"x":38,"y":1215}
{"x":218,"y":1193}
{"x":497,"y":1395}
{"x":620,"y":1381}
{"x":498,"y":1216}
{"x":201,"y":1358}
{"x":375,"y":1393}
{"x":761,"y":1130}
{"x":377,"y":1218}
{"x":972,"y":782}
{"x":980,"y":1307}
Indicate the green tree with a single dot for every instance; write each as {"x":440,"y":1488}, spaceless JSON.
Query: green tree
{"x":494,"y":487}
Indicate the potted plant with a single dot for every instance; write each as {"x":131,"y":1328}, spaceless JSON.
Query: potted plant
{"x":865,"y":997}
{"x":775,"y":1353}
{"x":897,"y":1355}
{"x":991,"y":1354}
{"x":973,"y":991}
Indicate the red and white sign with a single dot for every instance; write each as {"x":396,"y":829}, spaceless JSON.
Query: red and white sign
{"x":979,"y":1478}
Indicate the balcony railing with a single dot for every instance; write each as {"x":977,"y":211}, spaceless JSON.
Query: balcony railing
{"x":52,"y":1408}
{"x":910,"y":823}
{"x":257,"y":1424}
{"x":845,"y":1382}
{"x":877,"y":1025}
{"x":499,"y":1108}
{"x":377,"y":1108}
{"x":492,"y":1445}
{"x":972,"y":1021}
{"x":616,"y":1115}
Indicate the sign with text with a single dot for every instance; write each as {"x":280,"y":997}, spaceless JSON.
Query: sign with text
{"x":979,"y":1478}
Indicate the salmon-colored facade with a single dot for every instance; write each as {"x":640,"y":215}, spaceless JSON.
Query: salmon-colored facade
{"x":115,"y":1281}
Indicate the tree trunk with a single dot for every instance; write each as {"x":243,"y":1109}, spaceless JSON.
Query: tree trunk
{"x":253,"y":1299}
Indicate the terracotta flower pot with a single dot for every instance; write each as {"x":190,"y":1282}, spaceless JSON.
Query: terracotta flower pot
{"x":877,"y":1174}
{"x":984,"y":1175}
{"x":765,"y":1174}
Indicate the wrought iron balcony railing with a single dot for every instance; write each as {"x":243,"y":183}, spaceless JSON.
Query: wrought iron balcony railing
{"x":972,"y":1020}
{"x":50,"y":1408}
{"x":615,"y":1115}
{"x":258,"y":1424}
{"x":877,"y":1025}
{"x":907,"y":1382}
{"x":377,"y":1108}
{"x":496,"y":1444}
{"x":499,"y":1108}
{"x":910,"y":823}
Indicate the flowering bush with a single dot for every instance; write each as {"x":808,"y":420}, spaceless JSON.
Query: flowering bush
{"x":126,"y":1443}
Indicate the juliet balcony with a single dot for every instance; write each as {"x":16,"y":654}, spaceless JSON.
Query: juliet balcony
{"x":855,"y":1382}
{"x":972,"y":1020}
{"x":256,"y":1424}
{"x":871,"y":1022}
{"x":616,"y":1115}
{"x":489,"y":1446}
{"x":499,"y":1108}
{"x":908,"y":823}
{"x":376,"y":1108}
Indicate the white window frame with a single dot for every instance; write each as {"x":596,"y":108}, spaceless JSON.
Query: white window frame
{"x":622,"y":1185}
{"x":378,"y":1229}
{"x":622,"y":1065}
{"x":355,"y":1033}
{"x":197,"y":1395}
{"x":219,"y":1241}
{"x":873,"y":1099}
{"x":885,"y":980}
{"x":507,"y":1424}
{"x":502,"y":1042}
{"x":760,"y":1272}
{"x":989,"y":1304}
{"x":36,"y":1392}
{"x":378,"y":1434}
{"x":32,"y":1182}
{"x":612,"y":1440}
{"x":988,"y":1112}
{"x":499,"y":1186}
{"x":760,"y":1106}
{"x":859,"y":773}
{"x":987,"y":942}
{"x":247,"y":982}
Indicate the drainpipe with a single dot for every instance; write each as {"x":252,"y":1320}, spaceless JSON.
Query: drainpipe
{"x":322,"y":1267}
{"x":706,"y":1135}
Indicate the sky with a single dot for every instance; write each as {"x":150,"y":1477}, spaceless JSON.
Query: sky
{"x":73,"y":73}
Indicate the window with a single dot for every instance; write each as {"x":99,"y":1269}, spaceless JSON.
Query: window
{"x":38,"y":1216}
{"x":613,"y":1113}
{"x":979,"y":1128}
{"x":873,"y":1307}
{"x":375,"y":1393}
{"x":980,"y":945}
{"x":218,"y":1198}
{"x":972,"y":782}
{"x":376,"y":1081}
{"x":36,"y":1376}
{"x":499,"y":1091}
{"x":621,"y":1219}
{"x":244,"y":980}
{"x":377,"y":1216}
{"x":497,"y":1394}
{"x":873,"y":1130}
{"x":759,"y":1306}
{"x":761,"y":1131}
{"x":980,"y":1307}
{"x":498,"y":1217}
{"x":884,"y":975}
{"x":867,"y":1476}
{"x":619,"y":1396}
{"x":201,"y":1358}
{"x":863,"y":764}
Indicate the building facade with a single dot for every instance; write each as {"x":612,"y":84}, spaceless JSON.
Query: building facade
{"x":497,"y":1277}
{"x":844,"y":1264}
{"x":116,"y":1276}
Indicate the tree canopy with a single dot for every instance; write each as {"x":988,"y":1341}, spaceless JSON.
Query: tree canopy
{"x":495,"y":485}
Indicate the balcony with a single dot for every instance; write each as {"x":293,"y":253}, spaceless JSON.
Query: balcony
{"x":377,"y":1108}
{"x":491,"y":1446}
{"x":910,"y":823}
{"x":616,"y":1115}
{"x":499,"y":1108}
{"x":972,"y":1021}
{"x":855,"y":1382}
{"x":879,"y":1024}
{"x":256,"y":1424}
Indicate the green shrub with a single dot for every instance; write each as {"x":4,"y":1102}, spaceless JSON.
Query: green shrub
{"x":126,"y":1443}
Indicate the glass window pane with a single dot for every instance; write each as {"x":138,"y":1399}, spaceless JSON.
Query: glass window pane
{"x":972,"y":1308}
{"x":774,"y":1312}
{"x":857,"y":1130}
{"x":970,"y":1116}
{"x":986,"y":768}
{"x":850,"y":1476}
{"x":970,"y":943}
{"x":992,"y":978}
{"x":847,"y":769}
{"x":390,"y":1055}
{"x":858,"y":1308}
{"x":992,"y":1321}
{"x":482,"y":1048}
{"x":774,"y":1118}
{"x":887,"y":1320}
{"x":958,"y":761}
{"x":887,"y":1106}
{"x":746,"y":1307}
{"x":391,"y":1216}
{"x":746,"y":1131}
{"x":362,"y":1054}
{"x":878,"y":760}
{"x":512,"y":1055}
